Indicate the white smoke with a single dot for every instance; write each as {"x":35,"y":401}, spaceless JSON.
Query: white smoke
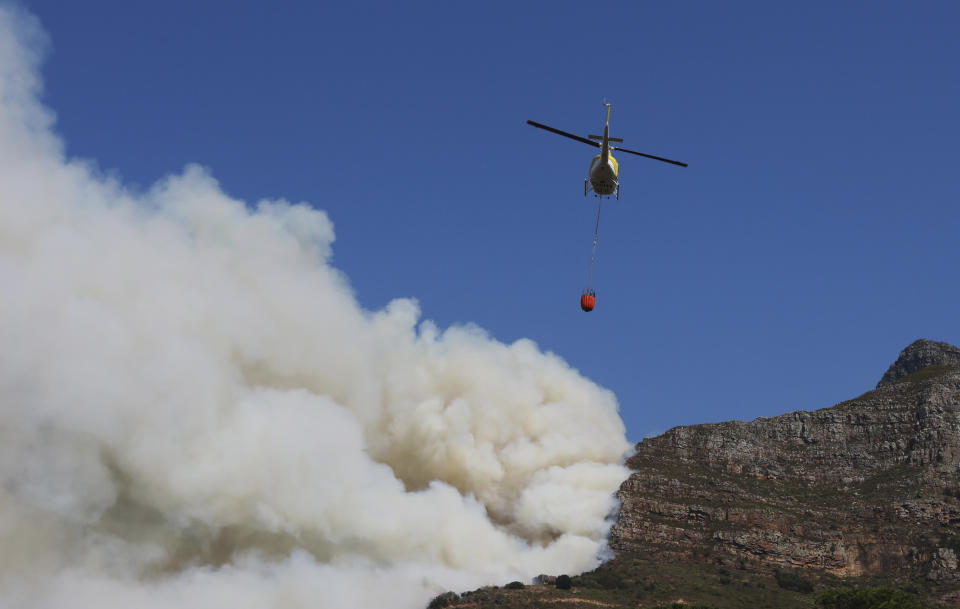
{"x":195,"y":412}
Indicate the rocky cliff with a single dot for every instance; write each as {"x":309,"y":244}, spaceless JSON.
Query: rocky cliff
{"x":919,"y":355}
{"x":869,"y":486}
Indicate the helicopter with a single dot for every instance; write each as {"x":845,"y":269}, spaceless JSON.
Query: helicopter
{"x":604,"y":178}
{"x":604,"y":174}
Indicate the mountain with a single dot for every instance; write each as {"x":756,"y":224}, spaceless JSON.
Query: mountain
{"x":868,"y":487}
{"x":765,"y":512}
{"x":919,"y":355}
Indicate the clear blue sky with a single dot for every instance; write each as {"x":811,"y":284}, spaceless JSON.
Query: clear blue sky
{"x":814,"y":235}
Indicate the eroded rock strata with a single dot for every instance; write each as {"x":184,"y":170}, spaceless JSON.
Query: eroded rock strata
{"x":869,"y":486}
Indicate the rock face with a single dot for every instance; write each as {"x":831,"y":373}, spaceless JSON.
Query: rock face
{"x":869,"y":486}
{"x":919,"y":355}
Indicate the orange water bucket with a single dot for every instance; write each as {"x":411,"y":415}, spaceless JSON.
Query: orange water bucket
{"x":588,"y":300}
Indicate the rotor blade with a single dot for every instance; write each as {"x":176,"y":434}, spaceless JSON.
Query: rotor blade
{"x":649,"y":156}
{"x":564,"y":134}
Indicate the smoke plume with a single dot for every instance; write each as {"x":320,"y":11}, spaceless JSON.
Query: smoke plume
{"x":196,"y":412}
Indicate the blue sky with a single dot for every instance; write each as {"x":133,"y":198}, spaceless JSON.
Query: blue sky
{"x":813,"y":236}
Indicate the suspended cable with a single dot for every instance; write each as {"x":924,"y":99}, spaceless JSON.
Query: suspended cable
{"x":588,"y":299}
{"x":596,"y":236}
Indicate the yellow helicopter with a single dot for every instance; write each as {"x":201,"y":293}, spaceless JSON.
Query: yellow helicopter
{"x":604,"y":174}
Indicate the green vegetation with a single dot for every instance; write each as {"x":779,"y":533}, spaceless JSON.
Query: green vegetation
{"x":863,"y":396}
{"x":443,"y":600}
{"x":602,"y":579}
{"x":882,"y":597}
{"x":791,"y":581}
{"x":923,"y":374}
{"x":642,"y":581}
{"x":920,"y":375}
{"x":515,"y":586}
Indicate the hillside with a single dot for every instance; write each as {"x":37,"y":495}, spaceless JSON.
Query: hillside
{"x":734,"y":514}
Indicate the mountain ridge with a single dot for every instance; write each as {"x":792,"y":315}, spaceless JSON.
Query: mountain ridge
{"x":864,"y":491}
{"x":846,"y":488}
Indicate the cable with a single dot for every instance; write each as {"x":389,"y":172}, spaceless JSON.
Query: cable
{"x":593,"y":255}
